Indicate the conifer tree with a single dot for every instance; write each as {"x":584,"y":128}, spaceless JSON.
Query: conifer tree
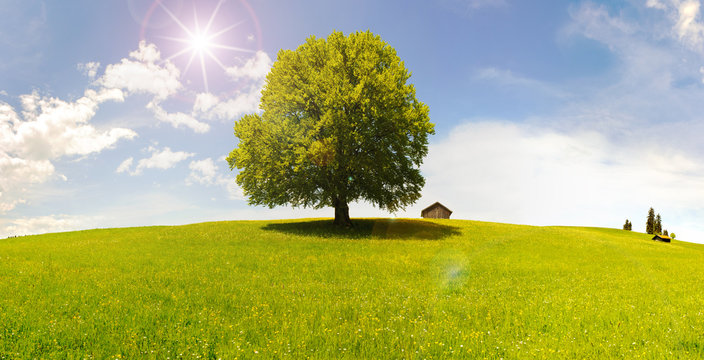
{"x":627,"y":225}
{"x":650,"y":223}
{"x":664,"y":232}
{"x":658,"y":225}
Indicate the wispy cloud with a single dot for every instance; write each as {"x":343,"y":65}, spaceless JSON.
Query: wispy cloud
{"x":686,"y":18}
{"x":89,"y":69}
{"x":205,"y":172}
{"x":254,"y":68}
{"x":160,"y":159}
{"x":177,"y":119}
{"x":467,"y":7}
{"x":507,"y":78}
{"x":125,"y":165}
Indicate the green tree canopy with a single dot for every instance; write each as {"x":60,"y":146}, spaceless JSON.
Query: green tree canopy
{"x":340,"y":123}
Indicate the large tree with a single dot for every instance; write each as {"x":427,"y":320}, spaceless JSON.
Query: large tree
{"x":339,"y":123}
{"x":657,"y":228}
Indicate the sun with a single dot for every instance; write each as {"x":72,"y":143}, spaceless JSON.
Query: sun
{"x":200,"y":43}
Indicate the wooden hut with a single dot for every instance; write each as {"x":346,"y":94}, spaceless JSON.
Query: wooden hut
{"x":663,"y":238}
{"x":436,"y":211}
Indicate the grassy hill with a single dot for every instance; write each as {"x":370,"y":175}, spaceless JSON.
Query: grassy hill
{"x":385,"y":289}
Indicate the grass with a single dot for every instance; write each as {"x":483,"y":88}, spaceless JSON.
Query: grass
{"x":384,"y":289}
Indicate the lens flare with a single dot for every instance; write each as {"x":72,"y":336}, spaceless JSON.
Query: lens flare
{"x":200,"y":43}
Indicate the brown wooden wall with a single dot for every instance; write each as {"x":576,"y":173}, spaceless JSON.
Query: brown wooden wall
{"x":437,"y":213}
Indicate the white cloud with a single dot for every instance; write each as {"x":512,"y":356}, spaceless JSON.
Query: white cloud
{"x":125,"y":165}
{"x":255,"y":68}
{"x":53,"y":128}
{"x":689,"y":28}
{"x":687,"y":22}
{"x":48,"y":128}
{"x":205,"y":172}
{"x":177,"y":119}
{"x":650,"y":84}
{"x":655,"y":4}
{"x":143,"y":75}
{"x":160,"y":159}
{"x":208,"y":106}
{"x":205,"y":102}
{"x":17,"y":175}
{"x":202,"y":172}
{"x":528,"y":174}
{"x":89,"y":69}
{"x":45,"y":224}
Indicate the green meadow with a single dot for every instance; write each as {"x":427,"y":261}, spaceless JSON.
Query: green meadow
{"x":410,"y":289}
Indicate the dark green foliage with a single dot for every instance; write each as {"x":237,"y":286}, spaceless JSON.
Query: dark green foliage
{"x":628,"y":225}
{"x":657,"y":228}
{"x":650,"y":223}
{"x":340,"y":123}
{"x":665,"y":233}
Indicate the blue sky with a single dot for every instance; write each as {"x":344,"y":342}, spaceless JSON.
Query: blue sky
{"x":546,"y":113}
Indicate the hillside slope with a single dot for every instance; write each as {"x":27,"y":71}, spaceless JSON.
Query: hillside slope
{"x":385,"y":289}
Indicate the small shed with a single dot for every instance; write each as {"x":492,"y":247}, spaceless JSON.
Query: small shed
{"x":436,"y":211}
{"x":663,"y":238}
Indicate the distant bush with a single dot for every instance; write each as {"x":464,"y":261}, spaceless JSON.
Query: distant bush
{"x":628,"y":225}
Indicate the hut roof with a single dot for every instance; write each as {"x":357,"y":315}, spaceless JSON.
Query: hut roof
{"x":662,"y":237}
{"x":435,"y":205}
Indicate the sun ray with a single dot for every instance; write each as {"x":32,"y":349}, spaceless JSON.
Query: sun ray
{"x":175,"y":19}
{"x":217,"y":61}
{"x":177,"y":54}
{"x":213,"y":36}
{"x":205,"y":75}
{"x":200,"y":41}
{"x":181,"y":40}
{"x":219,"y":46}
{"x":190,"y":60}
{"x":195,"y":19}
{"x":212,"y":16}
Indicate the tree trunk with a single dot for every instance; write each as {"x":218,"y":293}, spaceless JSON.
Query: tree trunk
{"x":342,"y":214}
